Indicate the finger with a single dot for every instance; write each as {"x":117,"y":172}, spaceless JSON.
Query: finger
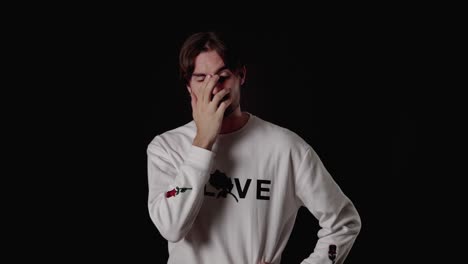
{"x":195,"y":92}
{"x":209,"y":87}
{"x":201,"y":91}
{"x":223,"y":105}
{"x":219,"y":96}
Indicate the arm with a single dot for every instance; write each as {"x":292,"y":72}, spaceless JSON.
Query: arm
{"x":173,"y":210}
{"x":339,"y":221}
{"x":176,"y":194}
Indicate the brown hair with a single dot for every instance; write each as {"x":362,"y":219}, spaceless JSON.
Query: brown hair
{"x":225,"y":45}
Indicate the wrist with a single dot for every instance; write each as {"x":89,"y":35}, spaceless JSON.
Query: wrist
{"x":203,"y":143}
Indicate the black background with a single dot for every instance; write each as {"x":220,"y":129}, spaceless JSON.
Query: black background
{"x":346,"y":87}
{"x":341,"y":89}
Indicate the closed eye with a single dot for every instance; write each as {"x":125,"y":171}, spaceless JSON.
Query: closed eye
{"x":223,"y":78}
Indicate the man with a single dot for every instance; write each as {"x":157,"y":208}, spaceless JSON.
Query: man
{"x":226,"y":187}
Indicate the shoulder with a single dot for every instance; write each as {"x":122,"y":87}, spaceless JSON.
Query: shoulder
{"x":280,"y":136}
{"x":173,"y":138}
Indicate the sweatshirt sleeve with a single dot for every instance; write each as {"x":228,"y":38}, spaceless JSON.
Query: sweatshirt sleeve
{"x":339,"y":220}
{"x":176,"y":194}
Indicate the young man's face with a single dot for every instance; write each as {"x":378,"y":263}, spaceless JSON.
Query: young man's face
{"x":211,"y":63}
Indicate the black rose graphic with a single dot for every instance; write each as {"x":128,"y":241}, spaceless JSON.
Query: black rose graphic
{"x":221,"y":182}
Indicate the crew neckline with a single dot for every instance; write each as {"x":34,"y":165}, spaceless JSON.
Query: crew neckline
{"x":240,"y":130}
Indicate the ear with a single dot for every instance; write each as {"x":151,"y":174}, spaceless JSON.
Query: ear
{"x":189,"y":89}
{"x":242,"y":73}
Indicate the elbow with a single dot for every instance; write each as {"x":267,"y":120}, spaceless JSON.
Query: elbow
{"x":351,"y":222}
{"x":171,"y":231}
{"x":173,"y":235}
{"x":357,"y":223}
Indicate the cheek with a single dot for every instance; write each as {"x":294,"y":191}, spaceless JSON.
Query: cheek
{"x":195,"y":87}
{"x":233,"y":84}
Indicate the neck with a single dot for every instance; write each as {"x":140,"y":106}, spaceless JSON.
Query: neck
{"x":235,"y":121}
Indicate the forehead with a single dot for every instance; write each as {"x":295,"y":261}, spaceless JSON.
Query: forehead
{"x":208,"y":62}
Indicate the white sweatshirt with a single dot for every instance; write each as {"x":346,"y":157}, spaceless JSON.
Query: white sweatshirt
{"x":238,"y":203}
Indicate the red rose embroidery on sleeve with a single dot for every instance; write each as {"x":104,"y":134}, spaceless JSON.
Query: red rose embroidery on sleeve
{"x":176,"y":191}
{"x":171,"y":193}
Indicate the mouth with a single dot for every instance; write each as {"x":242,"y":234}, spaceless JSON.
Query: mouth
{"x":226,"y":97}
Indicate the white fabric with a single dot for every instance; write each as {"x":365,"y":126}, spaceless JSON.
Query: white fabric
{"x":272,"y":172}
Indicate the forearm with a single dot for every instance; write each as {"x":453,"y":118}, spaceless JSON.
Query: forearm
{"x":173,"y":207}
{"x":336,"y":236}
{"x":338,"y":218}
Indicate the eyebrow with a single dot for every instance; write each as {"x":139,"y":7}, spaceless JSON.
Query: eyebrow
{"x":217,"y":71}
